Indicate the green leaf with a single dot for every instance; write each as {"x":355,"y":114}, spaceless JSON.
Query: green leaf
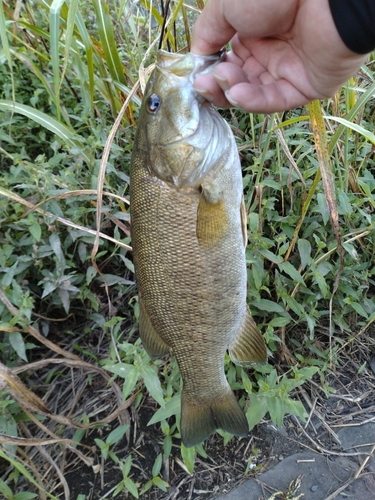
{"x":171,"y":407}
{"x":188,"y":457}
{"x":304,"y":248}
{"x":306,"y":372}
{"x":162,"y":485}
{"x":167,"y":445}
{"x":344,"y":202}
{"x":104,"y":447}
{"x":272,"y":184}
{"x":131,"y":487}
{"x":126,"y":466}
{"x":200,"y":450}
{"x":121,"y":369}
{"x":295,"y":306}
{"x":117,"y":434}
{"x":152,"y":384}
{"x":8,"y":426}
{"x":26,"y":495}
{"x":157,"y":465}
{"x":323,"y":209}
{"x":359,"y":309}
{"x":7,"y":278}
{"x":36,"y":230}
{"x":119,"y":488}
{"x":18,"y":344}
{"x":56,"y":247}
{"x":321,"y":283}
{"x":361,"y":368}
{"x":256,"y":411}
{"x":130,"y":382}
{"x":289,"y":269}
{"x":295,"y":408}
{"x":146,"y":487}
{"x":5,"y":490}
{"x":268,"y":305}
{"x":276,"y":410}
{"x":279,"y":322}
{"x":277,"y":259}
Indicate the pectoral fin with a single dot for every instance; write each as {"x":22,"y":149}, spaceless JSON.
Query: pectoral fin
{"x":212,"y":219}
{"x":152,"y":342}
{"x":249,"y":346}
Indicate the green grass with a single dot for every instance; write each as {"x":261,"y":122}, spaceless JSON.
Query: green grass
{"x":65,"y":74}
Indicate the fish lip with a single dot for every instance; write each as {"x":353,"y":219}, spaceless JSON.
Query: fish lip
{"x":200,"y":64}
{"x":216,"y":58}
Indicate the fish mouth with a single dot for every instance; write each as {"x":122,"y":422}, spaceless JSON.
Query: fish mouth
{"x":189,"y":65}
{"x":206,"y":64}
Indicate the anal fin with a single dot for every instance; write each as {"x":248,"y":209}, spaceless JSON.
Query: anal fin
{"x":152,"y":342}
{"x":249,"y":346}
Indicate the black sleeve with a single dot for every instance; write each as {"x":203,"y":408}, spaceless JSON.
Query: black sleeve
{"x":355,"y":22}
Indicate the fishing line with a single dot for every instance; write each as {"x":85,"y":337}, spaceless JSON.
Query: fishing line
{"x":164,"y":13}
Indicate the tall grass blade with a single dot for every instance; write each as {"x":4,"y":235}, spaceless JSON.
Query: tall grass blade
{"x":85,"y":37}
{"x":366,"y":96}
{"x":40,"y":32}
{"x":72,"y":12}
{"x":54,"y":30}
{"x":5,"y":44}
{"x":321,"y":143}
{"x":353,"y":126}
{"x":107,"y":39}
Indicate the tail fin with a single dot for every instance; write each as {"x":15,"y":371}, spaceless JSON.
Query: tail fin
{"x":200,"y":420}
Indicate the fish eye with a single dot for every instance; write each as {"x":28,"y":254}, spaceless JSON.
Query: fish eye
{"x":153,"y":103}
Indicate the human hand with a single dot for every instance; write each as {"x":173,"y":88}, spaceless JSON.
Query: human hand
{"x":284,"y":53}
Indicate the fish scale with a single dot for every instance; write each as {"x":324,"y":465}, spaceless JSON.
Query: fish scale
{"x":188,"y":243}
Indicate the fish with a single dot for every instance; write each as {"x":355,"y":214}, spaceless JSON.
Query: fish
{"x":188,"y":231}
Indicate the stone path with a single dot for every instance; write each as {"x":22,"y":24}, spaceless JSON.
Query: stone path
{"x":321,"y":477}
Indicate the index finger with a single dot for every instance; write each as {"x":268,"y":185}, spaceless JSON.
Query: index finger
{"x":211,"y":31}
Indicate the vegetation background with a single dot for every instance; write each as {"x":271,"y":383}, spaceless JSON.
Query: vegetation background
{"x":72,"y":369}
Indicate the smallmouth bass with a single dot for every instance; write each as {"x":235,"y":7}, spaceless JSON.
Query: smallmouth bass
{"x":188,"y":228}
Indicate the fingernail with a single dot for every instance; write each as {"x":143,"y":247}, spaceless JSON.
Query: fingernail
{"x":223,"y":82}
{"x":207,"y":95}
{"x":232,"y":101}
